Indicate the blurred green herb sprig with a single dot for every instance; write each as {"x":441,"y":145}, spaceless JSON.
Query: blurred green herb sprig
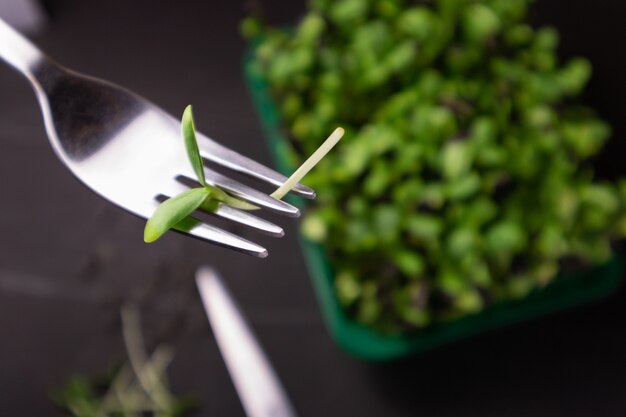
{"x":138,"y":388}
{"x":466,"y":177}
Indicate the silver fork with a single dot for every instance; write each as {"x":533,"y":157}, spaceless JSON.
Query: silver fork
{"x":130,"y":151}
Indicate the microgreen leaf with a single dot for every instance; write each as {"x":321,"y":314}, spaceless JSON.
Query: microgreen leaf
{"x":210,"y":205}
{"x":173,"y":211}
{"x":188,"y":223}
{"x":191,"y":144}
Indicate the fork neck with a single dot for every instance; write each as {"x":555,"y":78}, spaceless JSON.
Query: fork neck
{"x":20,"y":53}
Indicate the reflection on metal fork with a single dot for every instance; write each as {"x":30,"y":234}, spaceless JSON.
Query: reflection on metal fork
{"x":258,"y":387}
{"x":128,"y":150}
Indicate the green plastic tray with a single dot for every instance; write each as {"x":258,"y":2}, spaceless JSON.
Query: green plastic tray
{"x":567,"y":290}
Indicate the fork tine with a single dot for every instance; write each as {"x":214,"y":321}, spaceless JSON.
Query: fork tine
{"x":223,"y":238}
{"x":173,"y":188}
{"x":224,"y":211}
{"x":213,"y":151}
{"x":196,"y":228}
{"x":246,"y":193}
{"x":247,"y":219}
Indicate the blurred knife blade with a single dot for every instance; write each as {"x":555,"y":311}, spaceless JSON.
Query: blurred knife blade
{"x":257,"y":385}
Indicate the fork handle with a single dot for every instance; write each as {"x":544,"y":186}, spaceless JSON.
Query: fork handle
{"x":18,"y":51}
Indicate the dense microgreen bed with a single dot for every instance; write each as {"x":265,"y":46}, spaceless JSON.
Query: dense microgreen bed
{"x":464,"y":175}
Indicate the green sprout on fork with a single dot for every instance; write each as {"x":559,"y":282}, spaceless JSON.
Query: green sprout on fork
{"x":175,"y":212}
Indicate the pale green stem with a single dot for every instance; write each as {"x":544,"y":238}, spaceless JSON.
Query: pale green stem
{"x":114,"y":395}
{"x":295,"y":178}
{"x":317,"y":156}
{"x":146,"y":375}
{"x":118,"y":397}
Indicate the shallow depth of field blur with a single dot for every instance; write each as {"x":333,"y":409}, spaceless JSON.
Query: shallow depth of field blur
{"x":482,"y":167}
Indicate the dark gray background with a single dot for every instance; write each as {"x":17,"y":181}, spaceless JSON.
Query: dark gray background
{"x":67,"y":258}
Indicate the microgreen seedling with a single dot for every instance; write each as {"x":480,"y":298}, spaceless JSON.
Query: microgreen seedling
{"x":175,"y":212}
{"x":177,"y":208}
